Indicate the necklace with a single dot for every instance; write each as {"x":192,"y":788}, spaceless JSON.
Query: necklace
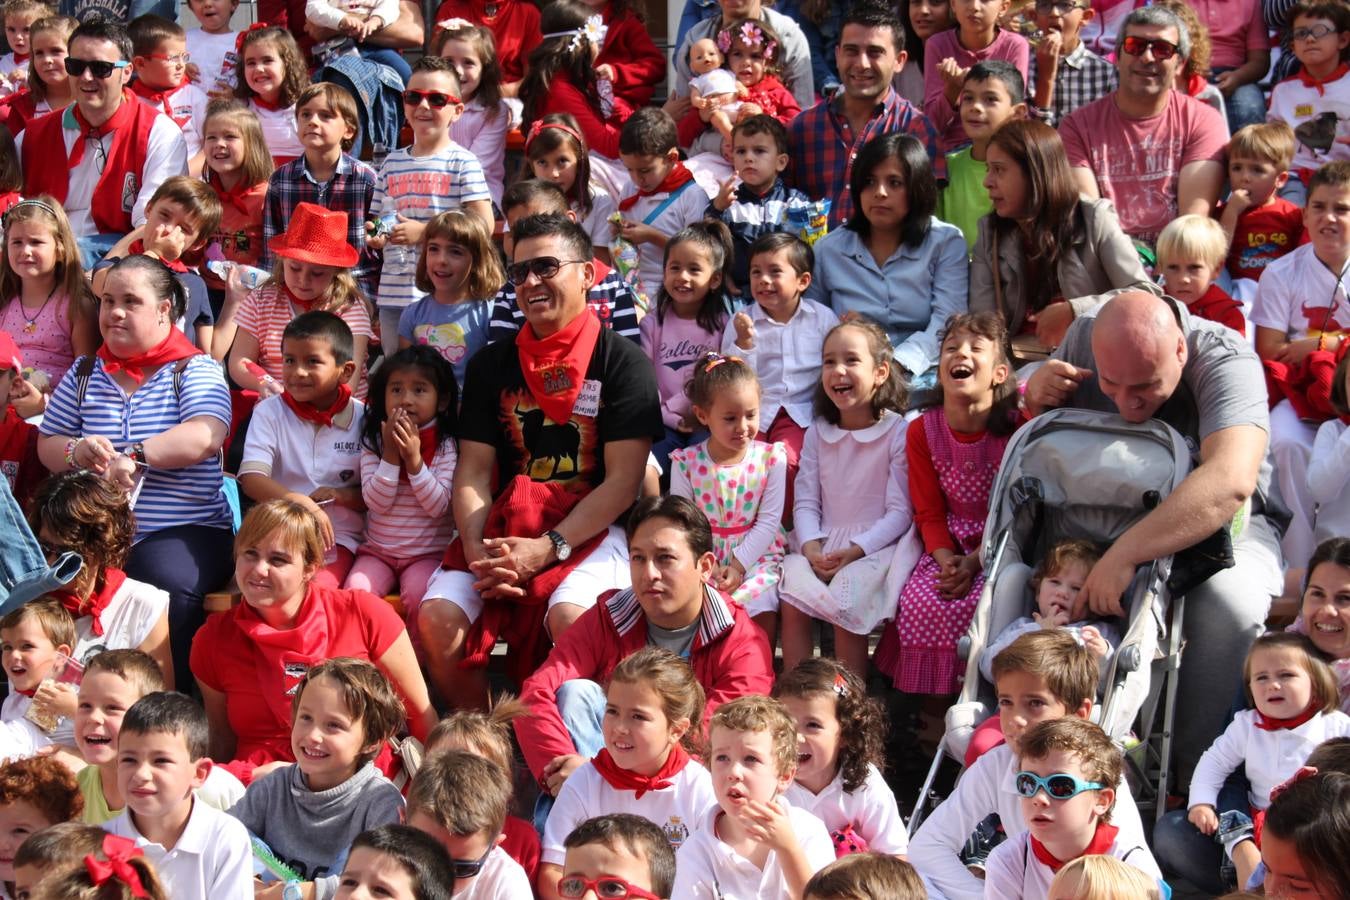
{"x":30,"y":325}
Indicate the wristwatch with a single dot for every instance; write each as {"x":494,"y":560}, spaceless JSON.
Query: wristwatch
{"x":561,"y":548}
{"x":136,"y":453}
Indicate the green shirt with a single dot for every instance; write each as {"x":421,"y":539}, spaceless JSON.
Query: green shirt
{"x":964,"y":201}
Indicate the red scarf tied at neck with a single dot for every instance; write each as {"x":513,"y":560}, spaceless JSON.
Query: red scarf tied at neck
{"x":1266,"y":723}
{"x":160,"y":99}
{"x":98,"y":601}
{"x":1321,"y":83}
{"x":311,"y":413}
{"x":171,"y":349}
{"x":625,"y":780}
{"x":679,"y":175}
{"x":137,"y":248}
{"x":1101,"y":842}
{"x":555,"y":366}
{"x":236,"y":196}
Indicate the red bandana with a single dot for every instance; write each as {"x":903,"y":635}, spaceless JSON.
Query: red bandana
{"x":160,"y":99}
{"x":234,"y":196}
{"x":305,"y":305}
{"x":1101,"y":842}
{"x":98,"y":600}
{"x":1266,"y":723}
{"x":171,"y":349}
{"x":430,"y":442}
{"x":283,"y":655}
{"x":321,"y":417}
{"x":20,"y":58}
{"x":1321,"y":83}
{"x":259,"y":102}
{"x":679,"y":175}
{"x":624,"y":780}
{"x":137,"y":248}
{"x":555,"y":366}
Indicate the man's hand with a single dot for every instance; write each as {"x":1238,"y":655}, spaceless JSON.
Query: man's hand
{"x":1053,"y":385}
{"x":511,"y":562}
{"x":1105,"y":585}
{"x":558,"y":770}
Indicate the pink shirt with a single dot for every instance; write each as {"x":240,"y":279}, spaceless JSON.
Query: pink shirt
{"x":47,"y":346}
{"x":673,"y":346}
{"x":1235,"y":27}
{"x":1138,"y":162}
{"x":1007,"y":45}
{"x":408,"y":518}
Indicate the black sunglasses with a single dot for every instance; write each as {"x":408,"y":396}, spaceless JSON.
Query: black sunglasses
{"x":468,"y":868}
{"x":435,"y":99}
{"x":543,"y":267}
{"x":101,"y":68}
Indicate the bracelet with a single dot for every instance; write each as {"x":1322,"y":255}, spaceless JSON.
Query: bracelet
{"x":71,"y":446}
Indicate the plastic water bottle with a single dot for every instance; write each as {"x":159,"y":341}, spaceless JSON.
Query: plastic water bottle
{"x":396,"y":254}
{"x":250,"y":277}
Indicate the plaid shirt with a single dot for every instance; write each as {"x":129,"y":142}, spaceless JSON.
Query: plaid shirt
{"x":1083,"y":77}
{"x":824,"y":147}
{"x":349,"y":191}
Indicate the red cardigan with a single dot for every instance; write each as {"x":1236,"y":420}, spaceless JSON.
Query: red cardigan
{"x":638,"y":64}
{"x":564,"y":97}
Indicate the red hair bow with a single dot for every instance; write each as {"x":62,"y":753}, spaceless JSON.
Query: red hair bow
{"x":117,"y":866}
{"x":239,"y":39}
{"x":1303,"y":773}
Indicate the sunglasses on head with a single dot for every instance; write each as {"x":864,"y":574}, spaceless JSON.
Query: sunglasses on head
{"x":542,"y":267}
{"x":1060,"y":786}
{"x":101,"y":68}
{"x":435,"y":99}
{"x":1162,"y":50}
{"x":606,"y":887}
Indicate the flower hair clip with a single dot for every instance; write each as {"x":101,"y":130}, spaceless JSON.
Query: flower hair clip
{"x":724,"y":41}
{"x":592,"y":30}
{"x":454,"y":24}
{"x":1303,"y":774}
{"x":840,"y":685}
{"x":117,"y":867}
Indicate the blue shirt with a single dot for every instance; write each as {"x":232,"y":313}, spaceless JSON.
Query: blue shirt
{"x":454,"y":330}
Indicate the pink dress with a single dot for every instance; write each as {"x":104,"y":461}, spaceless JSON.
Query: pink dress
{"x":45,"y":344}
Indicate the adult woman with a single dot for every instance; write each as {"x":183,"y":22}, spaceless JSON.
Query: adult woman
{"x":249,"y":660}
{"x":150,"y":412}
{"x":893,"y":261}
{"x":1325,"y":612}
{"x":1058,"y":255}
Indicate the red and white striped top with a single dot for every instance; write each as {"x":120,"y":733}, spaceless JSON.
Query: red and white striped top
{"x":408,"y":519}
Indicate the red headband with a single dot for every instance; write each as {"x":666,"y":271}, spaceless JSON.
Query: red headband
{"x":539,"y":125}
{"x":119,"y":851}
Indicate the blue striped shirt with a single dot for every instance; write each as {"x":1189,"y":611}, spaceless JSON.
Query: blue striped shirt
{"x":188,"y":496}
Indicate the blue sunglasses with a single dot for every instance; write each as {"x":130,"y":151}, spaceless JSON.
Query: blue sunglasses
{"x":1060,"y":786}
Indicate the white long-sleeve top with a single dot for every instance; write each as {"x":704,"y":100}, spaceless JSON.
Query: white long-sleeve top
{"x":768,"y":524}
{"x":871,"y":810}
{"x":987,"y":787}
{"x":1269,"y":757}
{"x":1014,"y":872}
{"x":1329,"y":479}
{"x":329,"y":13}
{"x":786,"y":357}
{"x":407,"y":519}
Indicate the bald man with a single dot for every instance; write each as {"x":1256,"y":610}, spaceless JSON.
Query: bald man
{"x":1144,"y":357}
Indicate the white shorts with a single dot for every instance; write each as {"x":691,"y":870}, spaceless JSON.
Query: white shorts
{"x":604,"y":569}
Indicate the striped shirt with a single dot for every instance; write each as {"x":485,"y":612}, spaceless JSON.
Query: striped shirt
{"x":1082,"y":78}
{"x":265,"y":313}
{"x":169,"y":497}
{"x":420,"y":188}
{"x":408,"y":519}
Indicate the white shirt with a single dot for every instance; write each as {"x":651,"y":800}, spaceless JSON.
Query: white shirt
{"x":188,"y":106}
{"x":501,"y":878}
{"x":215,"y":58}
{"x":1297,"y":299}
{"x":984,"y":788}
{"x":329,"y":13}
{"x":279,"y":131}
{"x":1270,"y":757}
{"x":1014,"y":873}
{"x":786,"y":357}
{"x":677,"y":809}
{"x":20,"y":738}
{"x":686,"y":209}
{"x":213,"y":859}
{"x":871,"y":810}
{"x":134,"y":611}
{"x":1329,"y":480}
{"x":708,"y":869}
{"x":1295,"y":104}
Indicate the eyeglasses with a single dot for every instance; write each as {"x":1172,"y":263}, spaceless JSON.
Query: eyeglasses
{"x":1058,"y":7}
{"x":435,"y":99}
{"x":606,"y":887}
{"x":1060,"y":786}
{"x":468,"y":868}
{"x":101,"y":68}
{"x":1162,"y":50}
{"x":542,"y":267}
{"x":1316,"y":33}
{"x":176,"y":59}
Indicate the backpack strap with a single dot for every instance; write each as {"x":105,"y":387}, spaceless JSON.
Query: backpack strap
{"x":84,"y":370}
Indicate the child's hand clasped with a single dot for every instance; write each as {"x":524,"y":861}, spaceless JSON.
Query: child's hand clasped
{"x":957,"y":574}
{"x":1204,"y":818}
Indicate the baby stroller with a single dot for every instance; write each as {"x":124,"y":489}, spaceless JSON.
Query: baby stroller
{"x":1066,"y":474}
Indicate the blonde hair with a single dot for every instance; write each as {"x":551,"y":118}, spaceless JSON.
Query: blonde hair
{"x":258,"y":165}
{"x":755,"y":712}
{"x":1326,"y":693}
{"x":486,"y":275}
{"x":56,"y":621}
{"x":69,"y":272}
{"x":486,"y":733}
{"x":1193,"y":237}
{"x":673,"y":682}
{"x":1099,"y":877}
{"x":341,"y":293}
{"x":27,"y":8}
{"x":136,"y":667}
{"x":298,"y":528}
{"x":1271,"y":142}
{"x":53,"y":24}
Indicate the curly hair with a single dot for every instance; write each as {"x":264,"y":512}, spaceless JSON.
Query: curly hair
{"x":755,"y":712}
{"x":92,"y":516}
{"x":295,"y":74}
{"x":862,"y":719}
{"x":44,"y":784}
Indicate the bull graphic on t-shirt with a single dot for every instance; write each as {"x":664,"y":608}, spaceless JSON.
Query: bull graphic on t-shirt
{"x":547,"y":441}
{"x":1321,"y":319}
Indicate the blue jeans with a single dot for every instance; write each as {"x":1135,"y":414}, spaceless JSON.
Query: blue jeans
{"x":94,"y":247}
{"x":24,"y":573}
{"x":581,"y":703}
{"x":387,"y":57}
{"x":1245,"y":106}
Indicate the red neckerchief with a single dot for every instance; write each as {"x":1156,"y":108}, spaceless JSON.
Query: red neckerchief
{"x":1320,"y":83}
{"x":283,"y":655}
{"x":1266,"y":723}
{"x":21,"y":58}
{"x":160,"y":99}
{"x":137,"y":248}
{"x":625,"y":780}
{"x":1102,"y":840}
{"x":97,"y":601}
{"x":171,"y":349}
{"x":430,"y":441}
{"x":555,"y":366}
{"x":233,"y":196}
{"x":263,"y":104}
{"x":311,"y":413}
{"x":678,"y":175}
{"x":305,"y":305}
{"x":125,"y":113}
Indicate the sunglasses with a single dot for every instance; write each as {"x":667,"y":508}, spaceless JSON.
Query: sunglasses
{"x":1162,"y":50}
{"x":606,"y":887}
{"x":1315,"y":33}
{"x":435,"y":99}
{"x":1060,"y":786}
{"x":101,"y":68}
{"x":542,"y":267}
{"x":468,"y":868}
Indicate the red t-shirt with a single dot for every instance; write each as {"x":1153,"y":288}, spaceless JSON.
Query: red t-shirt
{"x":1262,"y":235}
{"x":1217,"y":306}
{"x":19,"y":461}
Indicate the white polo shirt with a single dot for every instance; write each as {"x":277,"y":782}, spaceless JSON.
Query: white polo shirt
{"x":213,"y":859}
{"x":187,"y":105}
{"x":1014,"y":873}
{"x":871,"y":810}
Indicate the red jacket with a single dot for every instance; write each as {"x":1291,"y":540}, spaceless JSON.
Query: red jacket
{"x":638,"y":64}
{"x":515,"y":30}
{"x":730,"y":657}
{"x":564,"y":97}
{"x":769,"y":95}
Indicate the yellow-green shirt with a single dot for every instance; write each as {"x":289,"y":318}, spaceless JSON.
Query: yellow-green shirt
{"x":964,"y":201}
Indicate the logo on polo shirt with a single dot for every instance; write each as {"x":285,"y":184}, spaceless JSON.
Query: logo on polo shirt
{"x":676,"y":831}
{"x":129,"y":192}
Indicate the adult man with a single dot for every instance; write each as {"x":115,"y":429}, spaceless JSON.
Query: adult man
{"x":116,"y":150}
{"x":574,"y":408}
{"x":1144,"y":357}
{"x":1154,"y":152}
{"x":826,"y":138}
{"x":671,"y":605}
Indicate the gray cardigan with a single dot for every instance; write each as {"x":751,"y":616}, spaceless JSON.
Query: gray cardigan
{"x":1101,"y":263}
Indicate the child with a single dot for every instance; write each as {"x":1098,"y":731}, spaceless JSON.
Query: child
{"x":326,"y":175}
{"x":953,"y":451}
{"x":753,"y":56}
{"x":992,"y":94}
{"x":35,"y":642}
{"x":34,"y":794}
{"x":460,"y":800}
{"x":759,"y":204}
{"x":515,"y":27}
{"x":739,"y":483}
{"x":212,"y":47}
{"x":54,"y":850}
{"x":667,"y":197}
{"x":1316,"y":101}
{"x":1102,"y":878}
{"x":619,"y":853}
{"x":1065,"y":74}
{"x":47,"y":306}
{"x":415,"y":183}
{"x":399,"y":862}
{"x":356,"y":20}
{"x":273,"y":79}
{"x":200,"y":852}
{"x":309,"y":812}
{"x":1327,"y":475}
{"x":1306,"y":839}
{"x":120,"y":871}
{"x":486,"y":119}
{"x":557,"y":152}
{"x":714,"y":92}
{"x":629,"y":62}
{"x":19,"y":18}
{"x":653,"y":712}
{"x":753,"y":843}
{"x":49,"y":86}
{"x":691,"y":312}
{"x":1263,"y":227}
{"x":838,"y":777}
{"x":407,"y":464}
{"x":19,"y":462}
{"x":852,"y":504}
{"x":113,"y":681}
{"x":866,"y":876}
{"x":949,"y":56}
{"x":1067,"y":789}
{"x":160,"y":60}
{"x":921,"y":20}
{"x":1239,"y":59}
{"x":304,"y":444}
{"x":1191,"y":252}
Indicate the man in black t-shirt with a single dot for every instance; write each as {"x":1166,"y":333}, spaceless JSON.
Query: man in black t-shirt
{"x":565,"y":402}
